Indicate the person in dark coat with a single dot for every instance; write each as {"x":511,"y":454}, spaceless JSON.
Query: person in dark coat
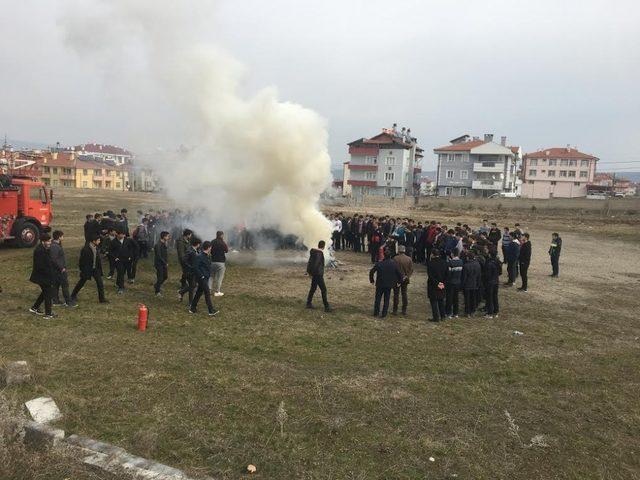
{"x":61,"y":281}
{"x":386,"y":275}
{"x":471,"y":273}
{"x":554,"y":253}
{"x":452,"y":283}
{"x":202,"y":267}
{"x":182,"y":246}
{"x":125,"y":252}
{"x":492,"y":272}
{"x":512,"y":253}
{"x":437,"y":270}
{"x":315,"y":269}
{"x":189,"y":265}
{"x":161,"y":261}
{"x":88,"y":227}
{"x":43,"y":275}
{"x":90,"y":267}
{"x":124,"y":221}
{"x":524,"y":260}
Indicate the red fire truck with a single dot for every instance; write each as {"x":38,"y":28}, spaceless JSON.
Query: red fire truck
{"x":25,"y":208}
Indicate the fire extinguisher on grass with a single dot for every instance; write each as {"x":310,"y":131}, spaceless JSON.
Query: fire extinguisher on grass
{"x":143,"y":314}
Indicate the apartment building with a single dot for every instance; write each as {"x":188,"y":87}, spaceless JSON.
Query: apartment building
{"x":105,"y":153}
{"x":557,"y":173}
{"x":58,"y":169}
{"x":386,"y":164}
{"x":471,"y":167}
{"x":93,"y":174}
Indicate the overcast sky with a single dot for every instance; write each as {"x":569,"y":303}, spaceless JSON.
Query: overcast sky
{"x":544,"y":73}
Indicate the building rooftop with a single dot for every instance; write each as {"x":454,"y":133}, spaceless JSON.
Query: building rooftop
{"x":98,"y":148}
{"x":560,"y":152}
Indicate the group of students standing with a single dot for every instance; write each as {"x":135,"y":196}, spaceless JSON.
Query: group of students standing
{"x":107,"y":236}
{"x":461,"y":262}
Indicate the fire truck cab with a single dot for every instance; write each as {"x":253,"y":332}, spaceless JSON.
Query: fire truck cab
{"x":25,"y":209}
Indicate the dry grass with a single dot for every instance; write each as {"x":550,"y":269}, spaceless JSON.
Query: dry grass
{"x":363,"y":398}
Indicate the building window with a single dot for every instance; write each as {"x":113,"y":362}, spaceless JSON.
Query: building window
{"x":55,"y":170}
{"x":573,"y":163}
{"x":564,"y":162}
{"x":584,"y":163}
{"x":373,"y":160}
{"x":67,"y":171}
{"x":531,"y":182}
{"x":533,"y":173}
{"x":458,"y":157}
{"x":45,"y":169}
{"x":448,"y":190}
{"x":572,"y":173}
{"x":107,"y":173}
{"x":117,"y":184}
{"x":577,"y":184}
{"x":463,"y":192}
{"x":85,"y":184}
{"x":85,"y":171}
{"x":551,"y":173}
{"x":390,"y":161}
{"x":584,"y":174}
{"x":553,"y":162}
{"x":97,"y":184}
{"x":45,"y":181}
{"x":370,"y":175}
{"x":388,"y":176}
{"x":107,"y":184}
{"x":533,"y":162}
{"x":553,"y":183}
{"x":97,"y":172}
{"x":389,"y":192}
{"x":56,"y":183}
{"x":449,"y":174}
{"x":450,"y":157}
{"x":464,"y":174}
{"x":563,"y":173}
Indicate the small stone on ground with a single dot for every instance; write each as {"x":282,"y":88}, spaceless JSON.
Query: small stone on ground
{"x":43,"y":410}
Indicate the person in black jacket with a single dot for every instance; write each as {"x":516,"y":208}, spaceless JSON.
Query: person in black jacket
{"x":189,"y":265}
{"x":43,"y":275}
{"x":161,"y":261}
{"x":88,"y":227}
{"x":90,"y":267}
{"x":61,"y":281}
{"x":437,"y":270}
{"x":492,"y":272}
{"x":471,"y":277}
{"x":387,"y":275}
{"x":452,"y":284}
{"x":125,"y":251}
{"x":524,"y":260}
{"x":315,"y":269}
{"x":202,"y":267}
{"x":554,"y":253}
{"x":182,"y":246}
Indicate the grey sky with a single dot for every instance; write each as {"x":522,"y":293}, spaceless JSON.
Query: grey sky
{"x":544,"y":73}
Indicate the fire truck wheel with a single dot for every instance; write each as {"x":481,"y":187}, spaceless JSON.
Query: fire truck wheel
{"x":27,"y":235}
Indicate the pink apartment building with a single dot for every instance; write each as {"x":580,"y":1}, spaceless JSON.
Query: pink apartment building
{"x":557,"y":173}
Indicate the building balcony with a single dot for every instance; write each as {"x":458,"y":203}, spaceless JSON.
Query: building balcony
{"x":487,"y":185}
{"x":370,"y":151}
{"x":368,"y":168}
{"x":490,"y":167}
{"x":361,"y":183}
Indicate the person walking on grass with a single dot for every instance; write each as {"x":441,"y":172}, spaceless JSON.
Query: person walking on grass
{"x":182,"y":246}
{"x":437,"y":276}
{"x":189,"y":265}
{"x":386,"y":275}
{"x":554,"y":253}
{"x":125,"y":252}
{"x":61,"y":281}
{"x":219,"y":250}
{"x":90,"y":267}
{"x":315,"y":269}
{"x":43,"y":275}
{"x":202,"y":269}
{"x":405,"y":264}
{"x":161,"y":261}
{"x":524,"y":260}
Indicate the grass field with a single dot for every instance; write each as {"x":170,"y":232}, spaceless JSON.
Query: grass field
{"x":364,"y":398}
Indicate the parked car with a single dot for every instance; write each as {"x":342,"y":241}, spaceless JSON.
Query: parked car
{"x":505,"y":195}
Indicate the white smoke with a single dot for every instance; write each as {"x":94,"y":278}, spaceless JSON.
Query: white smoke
{"x":256,"y":160}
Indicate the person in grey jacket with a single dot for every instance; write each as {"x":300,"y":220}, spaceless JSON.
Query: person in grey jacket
{"x":471,"y":274}
{"x":61,"y":279}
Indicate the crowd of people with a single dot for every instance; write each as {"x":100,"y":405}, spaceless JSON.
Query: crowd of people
{"x":461,"y":261}
{"x":109,"y":237}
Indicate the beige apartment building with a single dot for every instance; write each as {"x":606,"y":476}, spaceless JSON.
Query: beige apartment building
{"x":557,"y":173}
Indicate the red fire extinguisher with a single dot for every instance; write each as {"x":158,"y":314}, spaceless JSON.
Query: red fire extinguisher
{"x":143,"y":313}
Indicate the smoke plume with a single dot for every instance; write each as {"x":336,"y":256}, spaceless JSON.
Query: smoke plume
{"x":247,"y":159}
